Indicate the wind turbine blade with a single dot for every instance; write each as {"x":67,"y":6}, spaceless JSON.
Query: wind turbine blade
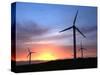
{"x":75,"y":18}
{"x":28,"y":55}
{"x":33,"y":52}
{"x":79,"y":49}
{"x":28,"y":50}
{"x":66,"y":29}
{"x":80,"y":32}
{"x":84,"y":48}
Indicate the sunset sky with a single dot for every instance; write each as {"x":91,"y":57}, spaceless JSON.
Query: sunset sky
{"x":38,"y":26}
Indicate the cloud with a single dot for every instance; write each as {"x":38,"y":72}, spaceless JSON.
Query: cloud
{"x":33,"y":33}
{"x":89,"y":29}
{"x":25,"y":31}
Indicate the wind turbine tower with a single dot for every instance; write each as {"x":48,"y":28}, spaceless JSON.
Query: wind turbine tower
{"x":29,"y":55}
{"x":81,"y":49}
{"x":74,"y":33}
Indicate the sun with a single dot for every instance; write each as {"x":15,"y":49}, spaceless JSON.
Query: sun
{"x":46,"y":57}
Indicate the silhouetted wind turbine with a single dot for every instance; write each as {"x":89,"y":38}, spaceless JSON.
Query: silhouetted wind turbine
{"x":29,"y":55}
{"x":81,"y":49}
{"x":74,"y":33}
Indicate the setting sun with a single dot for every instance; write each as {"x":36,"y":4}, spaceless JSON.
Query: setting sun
{"x":46,"y":56}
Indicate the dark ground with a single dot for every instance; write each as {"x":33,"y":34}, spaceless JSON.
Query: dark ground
{"x":80,"y":63}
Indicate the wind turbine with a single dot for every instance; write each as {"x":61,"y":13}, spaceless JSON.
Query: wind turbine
{"x":81,"y":49}
{"x":29,"y":55}
{"x":74,"y":33}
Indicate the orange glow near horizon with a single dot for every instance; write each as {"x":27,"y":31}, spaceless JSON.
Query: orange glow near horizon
{"x":50,"y":52}
{"x":46,"y":52}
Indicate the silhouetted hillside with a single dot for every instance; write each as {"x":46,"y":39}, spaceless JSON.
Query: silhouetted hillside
{"x":32,"y":62}
{"x":58,"y":65}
